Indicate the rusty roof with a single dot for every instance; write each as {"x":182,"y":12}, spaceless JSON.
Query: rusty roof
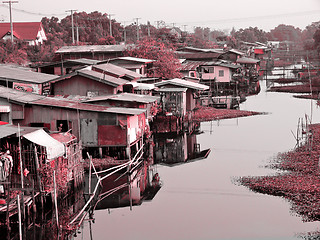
{"x":94,"y":75}
{"x":182,"y":83}
{"x":191,"y":65}
{"x":92,"y":48}
{"x":35,"y":99}
{"x":246,"y":60}
{"x":126,"y":97}
{"x":17,"y":74}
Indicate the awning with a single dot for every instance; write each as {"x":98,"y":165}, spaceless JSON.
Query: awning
{"x":54,"y":148}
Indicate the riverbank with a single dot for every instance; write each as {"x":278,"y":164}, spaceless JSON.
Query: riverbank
{"x":204,"y":114}
{"x":299,"y":180}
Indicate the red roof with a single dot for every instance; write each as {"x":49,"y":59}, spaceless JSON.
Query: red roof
{"x":21,"y":30}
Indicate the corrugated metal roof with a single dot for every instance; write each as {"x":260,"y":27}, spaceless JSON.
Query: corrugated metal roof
{"x":85,"y":61}
{"x":116,"y":70}
{"x":18,"y":96}
{"x":34,"y":99}
{"x":17,"y":74}
{"x":236,"y":51}
{"x":191,"y":65}
{"x":182,"y":83}
{"x":9,"y":129}
{"x":92,"y":48}
{"x":204,"y":55}
{"x":128,"y":97}
{"x":133,"y":59}
{"x":101,"y":77}
{"x":172,"y":89}
{"x":221,"y":63}
{"x":247,"y":60}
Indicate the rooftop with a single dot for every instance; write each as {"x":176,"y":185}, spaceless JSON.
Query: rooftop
{"x":116,"y":70}
{"x":128,"y":97}
{"x":91,"y":48}
{"x":182,"y":83}
{"x":22,"y":30}
{"x":17,"y":74}
{"x":34,"y":99}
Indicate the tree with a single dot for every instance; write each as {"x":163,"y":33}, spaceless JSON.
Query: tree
{"x":250,"y":35}
{"x":166,"y":64}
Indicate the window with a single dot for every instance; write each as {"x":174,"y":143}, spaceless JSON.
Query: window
{"x":221,"y":73}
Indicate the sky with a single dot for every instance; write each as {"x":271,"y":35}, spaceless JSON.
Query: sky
{"x":216,"y":15}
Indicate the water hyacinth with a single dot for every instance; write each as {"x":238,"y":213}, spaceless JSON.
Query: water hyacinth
{"x":299,"y":180}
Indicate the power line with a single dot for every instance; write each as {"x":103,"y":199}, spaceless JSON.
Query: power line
{"x":254,"y":17}
{"x":34,"y":13}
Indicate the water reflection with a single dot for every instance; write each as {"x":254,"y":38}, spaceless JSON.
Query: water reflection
{"x":177,"y":149}
{"x":124,"y":189}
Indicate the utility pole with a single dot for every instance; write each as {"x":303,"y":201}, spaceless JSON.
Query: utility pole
{"x":110,"y":23}
{"x":148,"y":29}
{"x":10,"y":10}
{"x":72,"y":24}
{"x":137,"y":21}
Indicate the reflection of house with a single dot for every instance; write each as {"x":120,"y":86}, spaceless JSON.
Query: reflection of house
{"x":116,"y":192}
{"x":98,"y":52}
{"x":177,"y":149}
{"x":96,"y":126}
{"x":30,"y":32}
{"x":128,"y":100}
{"x":138,"y":65}
{"x":23,"y":79}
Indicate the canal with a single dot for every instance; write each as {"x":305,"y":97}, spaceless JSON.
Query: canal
{"x":202,"y":200}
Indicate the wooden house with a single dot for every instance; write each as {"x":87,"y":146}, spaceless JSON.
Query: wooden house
{"x":85,"y":82}
{"x":217,"y":71}
{"x":97,"y":52}
{"x":178,"y":97}
{"x":110,"y":128}
{"x":29,"y":32}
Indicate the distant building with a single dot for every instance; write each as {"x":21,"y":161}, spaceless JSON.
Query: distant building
{"x":29,"y":32}
{"x":97,"y":52}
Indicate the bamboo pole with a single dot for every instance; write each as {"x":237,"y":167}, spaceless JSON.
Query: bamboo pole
{"x":19,"y":215}
{"x":55,"y":198}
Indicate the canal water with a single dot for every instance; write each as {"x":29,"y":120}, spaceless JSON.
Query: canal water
{"x":202,"y":200}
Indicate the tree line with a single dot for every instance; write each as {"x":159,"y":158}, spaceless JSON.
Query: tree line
{"x":98,"y":29}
